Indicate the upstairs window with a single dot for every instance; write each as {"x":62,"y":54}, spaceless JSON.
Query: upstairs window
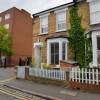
{"x":61,"y":21}
{"x":44,"y":24}
{"x":7,"y":16}
{"x":0,"y":19}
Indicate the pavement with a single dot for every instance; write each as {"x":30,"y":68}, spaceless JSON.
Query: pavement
{"x":7,"y":73}
{"x":54,"y":92}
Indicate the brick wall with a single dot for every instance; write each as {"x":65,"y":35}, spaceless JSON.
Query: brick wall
{"x":21,"y":34}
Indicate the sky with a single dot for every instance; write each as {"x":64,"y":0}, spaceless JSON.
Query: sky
{"x":32,"y":6}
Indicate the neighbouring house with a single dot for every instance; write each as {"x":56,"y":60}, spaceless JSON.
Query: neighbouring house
{"x":94,"y":6}
{"x":50,"y":32}
{"x":19,"y":24}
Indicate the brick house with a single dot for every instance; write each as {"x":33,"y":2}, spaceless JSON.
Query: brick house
{"x":50,"y":32}
{"x":19,"y":24}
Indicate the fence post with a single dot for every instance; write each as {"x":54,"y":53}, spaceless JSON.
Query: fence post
{"x":82,"y":75}
{"x":97,"y":78}
{"x":86,"y":75}
{"x":93,"y":79}
{"x":76,"y":74}
{"x":79,"y":74}
{"x":89,"y":76}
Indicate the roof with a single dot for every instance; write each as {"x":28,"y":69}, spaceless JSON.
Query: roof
{"x":56,"y":8}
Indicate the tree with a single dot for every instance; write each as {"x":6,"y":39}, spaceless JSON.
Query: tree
{"x":76,"y":36}
{"x":5,"y":42}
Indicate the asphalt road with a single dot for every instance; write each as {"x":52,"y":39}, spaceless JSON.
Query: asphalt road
{"x":7,"y":97}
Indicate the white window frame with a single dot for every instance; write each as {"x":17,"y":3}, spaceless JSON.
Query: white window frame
{"x":57,"y":13}
{"x":7,"y":16}
{"x":94,"y":6}
{"x":60,"y":41}
{"x":95,"y":34}
{"x":6,"y":26}
{"x":41,"y":17}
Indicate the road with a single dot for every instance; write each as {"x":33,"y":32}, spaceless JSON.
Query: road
{"x":6,"y":97}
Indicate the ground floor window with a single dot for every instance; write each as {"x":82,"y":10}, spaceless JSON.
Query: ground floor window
{"x":98,"y":49}
{"x":56,"y":50}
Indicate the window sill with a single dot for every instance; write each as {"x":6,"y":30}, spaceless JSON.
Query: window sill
{"x":57,"y":31}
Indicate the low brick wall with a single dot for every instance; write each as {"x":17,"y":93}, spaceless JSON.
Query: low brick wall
{"x":83,"y":86}
{"x":67,"y":64}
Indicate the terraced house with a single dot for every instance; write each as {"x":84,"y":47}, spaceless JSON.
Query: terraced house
{"x":94,"y":6}
{"x":50,"y":32}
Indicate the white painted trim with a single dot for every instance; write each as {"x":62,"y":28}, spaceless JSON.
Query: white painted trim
{"x":95,"y":34}
{"x":60,"y":41}
{"x":61,"y":10}
{"x":45,"y":15}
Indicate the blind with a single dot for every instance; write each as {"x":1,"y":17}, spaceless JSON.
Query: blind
{"x":61,"y":16}
{"x":44,"y":21}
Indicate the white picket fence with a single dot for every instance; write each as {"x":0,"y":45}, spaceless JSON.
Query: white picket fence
{"x":85,"y":75}
{"x":49,"y":74}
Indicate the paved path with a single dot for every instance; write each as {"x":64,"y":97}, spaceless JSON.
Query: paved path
{"x":58,"y":93}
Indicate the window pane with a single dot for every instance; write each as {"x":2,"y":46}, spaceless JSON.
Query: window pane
{"x":44,"y":21}
{"x":57,"y":58}
{"x":44,"y":24}
{"x":61,"y":25}
{"x":61,"y":16}
{"x":56,"y":47}
{"x":54,"y":53}
{"x":63,"y":51}
{"x":52,"y":58}
{"x":98,"y":43}
{"x":61,"y":21}
{"x":52,"y":48}
{"x":98,"y":47}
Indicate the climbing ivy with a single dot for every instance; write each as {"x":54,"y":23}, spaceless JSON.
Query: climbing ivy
{"x":77,"y":39}
{"x":88,"y":50}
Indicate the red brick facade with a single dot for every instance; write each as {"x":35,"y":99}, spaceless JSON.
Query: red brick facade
{"x":20,"y":27}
